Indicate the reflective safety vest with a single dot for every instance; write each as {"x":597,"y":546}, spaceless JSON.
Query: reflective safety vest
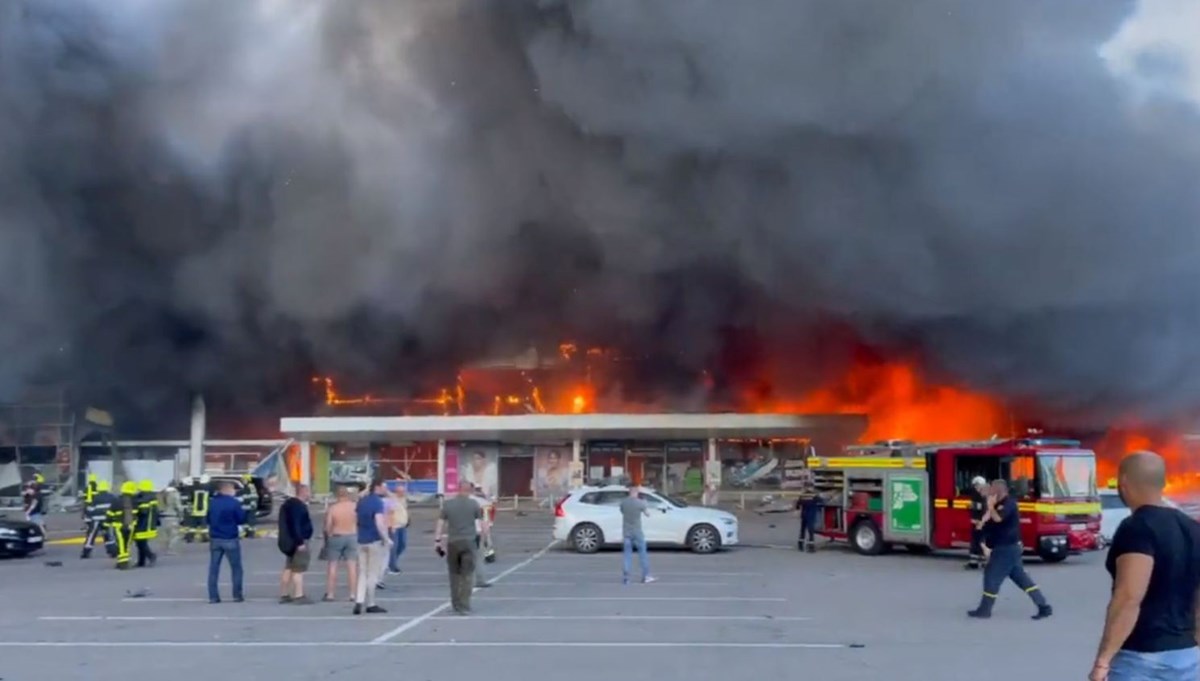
{"x":147,"y":515}
{"x":121,"y":513}
{"x":98,"y":508}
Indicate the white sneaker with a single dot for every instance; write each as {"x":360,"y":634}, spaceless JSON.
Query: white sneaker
{"x":649,"y":580}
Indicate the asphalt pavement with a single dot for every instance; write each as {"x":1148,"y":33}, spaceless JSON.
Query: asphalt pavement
{"x":760,"y":611}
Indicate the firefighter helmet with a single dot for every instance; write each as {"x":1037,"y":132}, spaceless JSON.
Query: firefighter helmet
{"x":145,"y":486}
{"x":102,"y":486}
{"x":37,"y":477}
{"x":129,"y":487}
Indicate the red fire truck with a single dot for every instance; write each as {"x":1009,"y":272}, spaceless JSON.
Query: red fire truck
{"x":918,"y":495}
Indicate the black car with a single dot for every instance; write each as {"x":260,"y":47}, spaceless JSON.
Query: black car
{"x":19,"y":538}
{"x":265,"y":502}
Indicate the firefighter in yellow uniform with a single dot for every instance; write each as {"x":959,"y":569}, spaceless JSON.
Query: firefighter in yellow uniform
{"x":195,"y":496}
{"x":146,"y":529}
{"x":121,"y":519}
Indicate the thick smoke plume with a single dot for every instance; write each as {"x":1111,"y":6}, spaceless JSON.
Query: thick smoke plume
{"x":228,"y":195}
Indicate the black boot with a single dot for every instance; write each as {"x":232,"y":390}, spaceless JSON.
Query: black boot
{"x":812,"y":546}
{"x":984,"y":611}
{"x":1043,"y":612}
{"x":85,"y":554}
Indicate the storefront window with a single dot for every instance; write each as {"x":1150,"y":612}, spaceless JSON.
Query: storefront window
{"x":759,"y":465}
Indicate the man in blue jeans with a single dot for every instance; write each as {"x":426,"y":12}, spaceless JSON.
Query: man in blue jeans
{"x":633,"y":508}
{"x":225,"y":516}
{"x":1150,"y":629}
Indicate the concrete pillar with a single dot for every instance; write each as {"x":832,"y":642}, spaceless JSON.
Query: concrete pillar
{"x":306,"y":463}
{"x":441,"y":467}
{"x":576,"y":467}
{"x":712,"y":475}
{"x":196,"y":448}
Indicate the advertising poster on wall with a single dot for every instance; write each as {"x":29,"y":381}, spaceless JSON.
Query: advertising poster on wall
{"x":551,"y":472}
{"x":478,"y":464}
{"x":451,"y":477}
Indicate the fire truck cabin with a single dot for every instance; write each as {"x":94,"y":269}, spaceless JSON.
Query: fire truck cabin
{"x":918,"y":495}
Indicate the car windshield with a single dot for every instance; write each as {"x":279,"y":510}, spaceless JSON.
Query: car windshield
{"x":1062,"y":476}
{"x":674,"y":500}
{"x":1110,"y":501}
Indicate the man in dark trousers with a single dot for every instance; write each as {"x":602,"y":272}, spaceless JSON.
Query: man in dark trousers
{"x":458,"y":517}
{"x":225,"y":518}
{"x":979,"y":494}
{"x":1002,"y":532}
{"x":295,"y":537}
{"x":808,"y":503}
{"x":96,"y":513}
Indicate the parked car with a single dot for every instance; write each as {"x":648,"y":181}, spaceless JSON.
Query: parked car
{"x":1113,"y":511}
{"x":589,"y":518}
{"x":19,"y":538}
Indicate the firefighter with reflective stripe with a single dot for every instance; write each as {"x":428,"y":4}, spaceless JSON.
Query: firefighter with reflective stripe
{"x":89,"y":491}
{"x":121,"y":518}
{"x":195,"y":495}
{"x":979,"y":493}
{"x":146,"y":529}
{"x":1002,"y":532}
{"x":96,"y":514}
{"x":248,"y":495}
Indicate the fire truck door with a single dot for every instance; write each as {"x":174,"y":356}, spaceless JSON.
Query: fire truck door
{"x":906,"y":507}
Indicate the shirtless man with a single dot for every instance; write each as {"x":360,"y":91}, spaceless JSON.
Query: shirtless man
{"x":341,"y":542}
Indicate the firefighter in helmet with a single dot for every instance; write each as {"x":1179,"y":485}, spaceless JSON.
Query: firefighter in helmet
{"x":195,"y":495}
{"x":146,"y":529}
{"x":121,"y":521}
{"x":95,"y":512}
{"x":248,"y":495}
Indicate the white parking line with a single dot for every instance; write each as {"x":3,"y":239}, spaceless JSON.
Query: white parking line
{"x":151,"y":599}
{"x":422,"y":644}
{"x":549,"y":573}
{"x":629,"y":618}
{"x":217,"y":618}
{"x":695,"y":599}
{"x":402,"y":584}
{"x":384,"y":638}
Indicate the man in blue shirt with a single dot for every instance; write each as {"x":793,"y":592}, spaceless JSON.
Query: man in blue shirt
{"x":373,"y":543}
{"x":225,"y":516}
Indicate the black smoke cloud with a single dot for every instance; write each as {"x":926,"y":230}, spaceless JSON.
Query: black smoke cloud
{"x":232,"y":195}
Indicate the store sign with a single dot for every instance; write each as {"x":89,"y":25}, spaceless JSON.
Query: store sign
{"x":686,"y":447}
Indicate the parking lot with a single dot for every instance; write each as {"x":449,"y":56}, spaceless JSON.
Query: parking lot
{"x":758,"y":611}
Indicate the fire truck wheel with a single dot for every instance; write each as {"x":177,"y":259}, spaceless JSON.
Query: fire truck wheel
{"x":866,"y":538}
{"x":1048,"y":557}
{"x":587,"y":538}
{"x":703,"y":539}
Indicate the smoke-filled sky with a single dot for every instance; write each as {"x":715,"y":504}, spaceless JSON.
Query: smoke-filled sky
{"x":228,"y":195}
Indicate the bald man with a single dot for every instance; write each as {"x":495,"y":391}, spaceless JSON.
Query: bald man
{"x":1002,"y":532}
{"x":1150,"y":629}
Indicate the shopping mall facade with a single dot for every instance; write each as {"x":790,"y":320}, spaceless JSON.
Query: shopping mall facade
{"x":541,"y":456}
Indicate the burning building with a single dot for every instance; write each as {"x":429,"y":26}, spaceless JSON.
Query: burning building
{"x":754,"y":211}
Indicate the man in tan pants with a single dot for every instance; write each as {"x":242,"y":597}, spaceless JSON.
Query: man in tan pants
{"x":458,"y":517}
{"x":373,"y":544}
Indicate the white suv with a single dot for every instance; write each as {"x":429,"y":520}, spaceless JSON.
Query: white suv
{"x":590,"y":518}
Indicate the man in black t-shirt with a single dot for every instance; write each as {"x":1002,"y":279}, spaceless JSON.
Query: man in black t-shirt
{"x":1002,"y":532}
{"x":1150,"y":629}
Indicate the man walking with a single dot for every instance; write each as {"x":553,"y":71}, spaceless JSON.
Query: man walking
{"x":1150,"y":629}
{"x":808,"y":503}
{"x":96,"y":512}
{"x":225,"y":517}
{"x":1002,"y":532}
{"x":373,"y":542}
{"x":633,"y":508}
{"x":979,"y":493}
{"x":454,"y":537}
{"x":295,"y":536}
{"x":146,"y":529}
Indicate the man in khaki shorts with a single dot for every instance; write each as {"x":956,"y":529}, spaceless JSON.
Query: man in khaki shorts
{"x":341,"y":543}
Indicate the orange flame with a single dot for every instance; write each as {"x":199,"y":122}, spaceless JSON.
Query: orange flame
{"x":900,"y":406}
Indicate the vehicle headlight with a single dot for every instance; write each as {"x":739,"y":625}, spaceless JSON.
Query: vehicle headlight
{"x":9,"y":533}
{"x":729,"y":521}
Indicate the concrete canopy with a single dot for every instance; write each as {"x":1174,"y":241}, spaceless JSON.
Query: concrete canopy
{"x":535,"y":428}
